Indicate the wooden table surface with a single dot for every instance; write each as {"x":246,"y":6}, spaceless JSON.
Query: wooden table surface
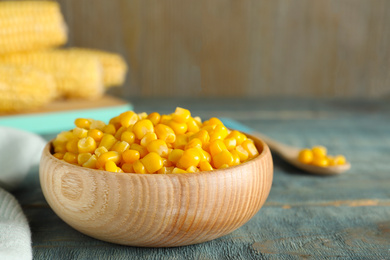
{"x":305,"y":216}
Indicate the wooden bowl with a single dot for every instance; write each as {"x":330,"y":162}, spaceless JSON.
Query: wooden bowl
{"x":156,"y":210}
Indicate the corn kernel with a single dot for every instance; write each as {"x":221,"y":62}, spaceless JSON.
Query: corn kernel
{"x":165,"y":170}
{"x":86,"y":145}
{"x":120,"y":146}
{"x":82,"y":123}
{"x":178,"y":170}
{"x":111,"y":166}
{"x":119,"y":132}
{"x":71,"y":145}
{"x":58,"y":155}
{"x":214,"y":121}
{"x":340,"y":160}
{"x":141,"y":149}
{"x":142,"y":115}
{"x":192,"y":169}
{"x":220,"y":132}
{"x":223,"y":166}
{"x":319,"y":151}
{"x":166,"y":162}
{"x":236,"y":157}
{"x":59,"y":147}
{"x":154,"y":118}
{"x":205,"y":156}
{"x":139,"y":167}
{"x":230,"y":143}
{"x":240,"y":137}
{"x":70,"y":157}
{"x":242,"y":153}
{"x":181,"y":115}
{"x":83,"y":158}
{"x":178,"y":128}
{"x":115,"y":120}
{"x":128,"y":137}
{"x":128,"y":118}
{"x":320,"y":161}
{"x":195,"y":142}
{"x":96,"y":134}
{"x":305,"y":156}
{"x":181,"y":141}
{"x":190,"y":157}
{"x":216,"y":147}
{"x":109,"y":129}
{"x":107,"y":141}
{"x":130,"y":156}
{"x":148,"y":138}
{"x":205,"y":166}
{"x":198,"y":120}
{"x":175,"y":155}
{"x":91,"y":163}
{"x":152,"y":162}
{"x":223,"y":157}
{"x":158,"y":146}
{"x":128,"y":167}
{"x":97,"y":124}
{"x":80,"y":132}
{"x":142,"y":127}
{"x":192,"y":125}
{"x":202,"y":135}
{"x":250,"y":147}
{"x":100,"y":150}
{"x":64,"y":136}
{"x":108,"y":156}
{"x":165,"y":119}
{"x":165,"y":133}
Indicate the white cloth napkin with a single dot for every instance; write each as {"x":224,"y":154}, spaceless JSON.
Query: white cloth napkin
{"x":19,"y":152}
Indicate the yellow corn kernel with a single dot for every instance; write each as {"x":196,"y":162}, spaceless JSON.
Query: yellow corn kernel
{"x":82,"y":123}
{"x":216,"y":147}
{"x":181,"y":141}
{"x":142,"y":115}
{"x":192,"y":169}
{"x":165,"y":119}
{"x":119,"y":169}
{"x":108,"y":156}
{"x":86,"y":145}
{"x":250,"y":147}
{"x":305,"y":156}
{"x":214,"y":121}
{"x":154,"y":118}
{"x":205,"y":156}
{"x":320,"y":161}
{"x":130,"y":156}
{"x":100,"y":150}
{"x":148,"y":138}
{"x":178,"y":170}
{"x":128,"y":118}
{"x":83,"y":158}
{"x":195,"y":142}
{"x":202,"y":135}
{"x":128,"y":137}
{"x":166,"y":170}
{"x":152,"y":162}
{"x":96,"y":134}
{"x":141,"y":149}
{"x":120,"y":146}
{"x":111,"y":166}
{"x":236,"y":157}
{"x":115,"y":120}
{"x":80,"y":132}
{"x":119,"y":132}
{"x":319,"y":151}
{"x":209,"y":129}
{"x":59,"y":147}
{"x":128,"y":167}
{"x":181,"y":115}
{"x":64,"y":136}
{"x":224,"y":157}
{"x":108,"y":141}
{"x":91,"y":163}
{"x":142,"y":127}
{"x":242,"y":153}
{"x":109,"y":129}
{"x":198,"y":120}
{"x":70,"y":157}
{"x":205,"y":166}
{"x":178,"y":128}
{"x":58,"y":155}
{"x":220,"y":132}
{"x":158,"y":146}
{"x":97,"y":124}
{"x":139,"y":167}
{"x":230,"y":143}
{"x":190,"y":157}
{"x":340,"y":160}
{"x":175,"y":155}
{"x":71,"y":145}
{"x":166,"y":162}
{"x":192,"y":125}
{"x":165,"y":133}
{"x":223,"y":166}
{"x":240,"y":137}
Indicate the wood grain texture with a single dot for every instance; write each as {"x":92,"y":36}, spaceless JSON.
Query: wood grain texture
{"x":296,"y":48}
{"x":154,"y":210}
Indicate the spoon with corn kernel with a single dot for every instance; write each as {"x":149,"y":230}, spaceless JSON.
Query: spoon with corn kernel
{"x":313,"y":160}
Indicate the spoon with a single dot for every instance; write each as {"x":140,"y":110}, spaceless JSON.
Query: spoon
{"x":288,"y":153}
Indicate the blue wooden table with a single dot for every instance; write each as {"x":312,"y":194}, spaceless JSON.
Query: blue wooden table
{"x":305,"y":216}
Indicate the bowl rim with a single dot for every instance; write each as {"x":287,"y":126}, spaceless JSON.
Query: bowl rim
{"x":265,"y":150}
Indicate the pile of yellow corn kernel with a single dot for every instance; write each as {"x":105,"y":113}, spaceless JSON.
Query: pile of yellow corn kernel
{"x":317,"y":155}
{"x":154,"y":143}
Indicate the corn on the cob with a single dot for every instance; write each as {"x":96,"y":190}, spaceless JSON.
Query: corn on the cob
{"x":24,"y":88}
{"x":76,"y":75}
{"x":30,"y":25}
{"x":114,"y":66}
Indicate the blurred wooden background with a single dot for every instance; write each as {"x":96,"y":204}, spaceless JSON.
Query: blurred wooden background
{"x":293,"y":48}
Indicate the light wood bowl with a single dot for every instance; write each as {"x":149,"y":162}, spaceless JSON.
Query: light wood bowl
{"x":156,"y":210}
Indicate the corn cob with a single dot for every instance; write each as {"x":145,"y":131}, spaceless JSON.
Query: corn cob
{"x":30,"y":25}
{"x":23,"y":88}
{"x":114,"y":66}
{"x":77,"y":75}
